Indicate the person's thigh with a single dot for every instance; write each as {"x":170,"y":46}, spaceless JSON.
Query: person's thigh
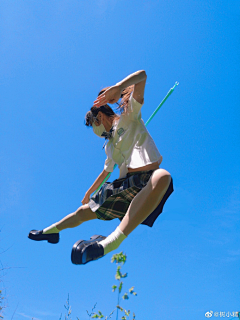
{"x":84,"y":213}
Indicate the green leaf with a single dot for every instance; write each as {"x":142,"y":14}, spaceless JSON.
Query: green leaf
{"x":124,"y":318}
{"x":114,"y":287}
{"x":135,"y":293}
{"x":119,"y":307}
{"x":119,"y":258}
{"x":98,"y":316}
{"x":118,"y":273}
{"x":131,"y":290}
{"x":134,"y":315}
{"x":120,"y":287}
{"x":127,"y":313}
{"x":125,"y":297}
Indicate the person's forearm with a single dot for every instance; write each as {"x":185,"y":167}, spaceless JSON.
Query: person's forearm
{"x":133,"y":78}
{"x":97,"y":182}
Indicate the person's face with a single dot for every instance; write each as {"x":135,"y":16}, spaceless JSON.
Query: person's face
{"x":101,"y":118}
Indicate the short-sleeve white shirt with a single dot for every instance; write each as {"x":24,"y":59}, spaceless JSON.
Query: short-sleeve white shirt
{"x":131,"y":145}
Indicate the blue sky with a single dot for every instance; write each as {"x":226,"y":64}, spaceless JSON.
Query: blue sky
{"x":55,"y":57}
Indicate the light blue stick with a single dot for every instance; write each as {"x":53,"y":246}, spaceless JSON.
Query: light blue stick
{"x":168,"y":94}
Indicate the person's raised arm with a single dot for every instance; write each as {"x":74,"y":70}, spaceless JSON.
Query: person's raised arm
{"x":134,"y":78}
{"x":113,"y":94}
{"x":94,"y":187}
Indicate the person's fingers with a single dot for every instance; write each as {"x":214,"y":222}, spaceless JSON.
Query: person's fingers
{"x":109,"y":96}
{"x":100,"y":103}
{"x":97,"y":100}
{"x":100,"y":97}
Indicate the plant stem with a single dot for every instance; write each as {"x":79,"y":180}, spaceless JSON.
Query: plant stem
{"x":118,"y":300}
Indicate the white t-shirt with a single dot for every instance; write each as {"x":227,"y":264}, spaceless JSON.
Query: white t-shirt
{"x":131,"y":145}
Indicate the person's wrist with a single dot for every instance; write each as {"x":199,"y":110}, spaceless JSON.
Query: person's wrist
{"x":88,"y":193}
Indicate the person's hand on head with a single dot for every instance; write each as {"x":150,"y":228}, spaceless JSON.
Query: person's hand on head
{"x":111,"y":95}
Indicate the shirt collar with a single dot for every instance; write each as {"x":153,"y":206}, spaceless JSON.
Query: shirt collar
{"x":108,"y":135}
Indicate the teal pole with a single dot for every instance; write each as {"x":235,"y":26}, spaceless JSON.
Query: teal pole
{"x":165,"y":98}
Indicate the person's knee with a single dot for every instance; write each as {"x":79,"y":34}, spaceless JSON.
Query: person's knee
{"x":163,"y":180}
{"x":84,"y":213}
{"x":80,"y":214}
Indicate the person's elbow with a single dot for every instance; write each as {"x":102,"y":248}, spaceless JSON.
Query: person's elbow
{"x":143,"y":72}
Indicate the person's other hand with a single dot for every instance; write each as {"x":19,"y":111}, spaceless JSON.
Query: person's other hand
{"x":86,"y":198}
{"x":111,"y":95}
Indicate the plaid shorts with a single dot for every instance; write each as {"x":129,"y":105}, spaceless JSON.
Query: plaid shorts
{"x":113,"y":198}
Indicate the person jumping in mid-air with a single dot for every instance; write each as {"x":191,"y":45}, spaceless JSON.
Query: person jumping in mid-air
{"x":138,"y":196}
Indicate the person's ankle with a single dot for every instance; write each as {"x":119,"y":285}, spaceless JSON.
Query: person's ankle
{"x":51,"y":229}
{"x":113,"y":241}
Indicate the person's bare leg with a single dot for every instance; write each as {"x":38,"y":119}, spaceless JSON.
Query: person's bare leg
{"x":140,"y":208}
{"x":82,"y":214}
{"x":146,"y":201}
{"x":51,"y":233}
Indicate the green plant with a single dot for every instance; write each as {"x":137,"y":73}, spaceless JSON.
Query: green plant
{"x":69,"y":310}
{"x":119,"y":258}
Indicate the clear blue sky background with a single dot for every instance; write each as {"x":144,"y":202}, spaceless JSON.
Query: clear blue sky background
{"x":55,"y":56}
